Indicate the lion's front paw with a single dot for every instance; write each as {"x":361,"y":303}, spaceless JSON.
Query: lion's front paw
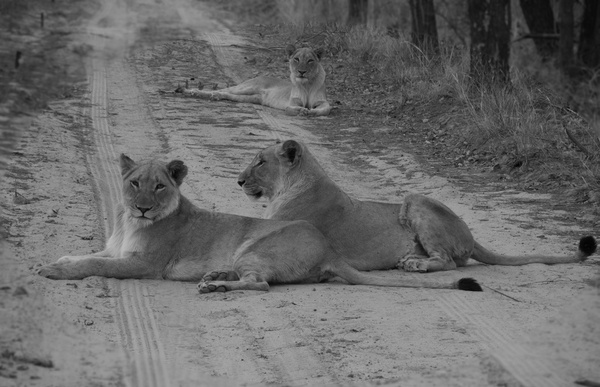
{"x":64,"y":268}
{"x":54,"y":271}
{"x":68,"y":259}
{"x":304,"y":112}
{"x":209,"y":287}
{"x":413,"y":265}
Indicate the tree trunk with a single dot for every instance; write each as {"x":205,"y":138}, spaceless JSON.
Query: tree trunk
{"x":540,"y":21}
{"x":589,"y":38}
{"x":424,"y":28}
{"x":358,"y":12}
{"x":565,"y":43}
{"x":490,"y":41}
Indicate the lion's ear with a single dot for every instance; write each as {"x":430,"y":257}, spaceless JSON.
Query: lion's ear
{"x":319,"y":52}
{"x":291,"y":151}
{"x":126,"y":163}
{"x":177,"y":170}
{"x":290,"y":50}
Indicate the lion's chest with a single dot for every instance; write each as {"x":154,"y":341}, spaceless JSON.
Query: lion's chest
{"x":307,"y":94}
{"x":133,"y":242}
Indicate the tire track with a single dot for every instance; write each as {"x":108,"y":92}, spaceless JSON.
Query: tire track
{"x":140,"y":337}
{"x":527,"y":367}
{"x":289,"y":353}
{"x":146,"y":355}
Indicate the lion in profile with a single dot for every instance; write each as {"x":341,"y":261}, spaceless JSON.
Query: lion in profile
{"x":304,"y":95}
{"x":160,"y":234}
{"x":419,"y":234}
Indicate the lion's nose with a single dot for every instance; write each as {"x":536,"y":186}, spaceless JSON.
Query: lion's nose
{"x":241,"y":182}
{"x":301,"y":73}
{"x":143,"y":210}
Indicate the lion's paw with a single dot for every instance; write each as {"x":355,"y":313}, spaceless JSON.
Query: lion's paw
{"x":54,"y":271}
{"x":210,"y":287}
{"x":68,"y":259}
{"x":64,"y":268}
{"x":215,"y":276}
{"x":304,"y":112}
{"x":417,"y":265}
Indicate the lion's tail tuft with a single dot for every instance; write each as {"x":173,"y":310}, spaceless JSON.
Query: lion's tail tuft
{"x":587,"y":245}
{"x":469,"y":284}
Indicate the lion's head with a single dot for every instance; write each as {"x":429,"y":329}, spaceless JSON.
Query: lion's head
{"x":151,"y":188}
{"x":278,"y":168}
{"x":305,"y":64}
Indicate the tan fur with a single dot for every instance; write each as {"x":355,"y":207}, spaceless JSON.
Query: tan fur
{"x":160,"y":234}
{"x":305,"y":94}
{"x":420,"y":234}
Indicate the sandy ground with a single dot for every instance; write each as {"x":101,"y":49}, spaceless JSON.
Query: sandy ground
{"x":535,"y":325}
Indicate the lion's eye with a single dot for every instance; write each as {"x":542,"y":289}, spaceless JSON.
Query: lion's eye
{"x":310,"y":61}
{"x":134,"y":183}
{"x":160,"y":186}
{"x":296,"y":59}
{"x":260,"y":162}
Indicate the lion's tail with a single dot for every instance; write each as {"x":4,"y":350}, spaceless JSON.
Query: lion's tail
{"x":587,"y":247}
{"x":355,"y":277}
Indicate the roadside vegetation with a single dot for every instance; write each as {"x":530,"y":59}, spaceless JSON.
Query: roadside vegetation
{"x":539,"y":130}
{"x":37,"y":63}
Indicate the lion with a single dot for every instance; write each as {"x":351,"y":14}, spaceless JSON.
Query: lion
{"x":159,"y":234}
{"x":305,"y":95}
{"x":418,"y":235}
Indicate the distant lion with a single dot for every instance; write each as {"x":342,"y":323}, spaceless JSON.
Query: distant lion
{"x":419,"y":234}
{"x":305,"y":95}
{"x":160,"y":234}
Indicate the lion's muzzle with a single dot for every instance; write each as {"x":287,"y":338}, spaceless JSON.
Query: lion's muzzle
{"x":252,"y":190}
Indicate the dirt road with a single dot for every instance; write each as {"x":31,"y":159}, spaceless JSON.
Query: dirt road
{"x":533,"y":326}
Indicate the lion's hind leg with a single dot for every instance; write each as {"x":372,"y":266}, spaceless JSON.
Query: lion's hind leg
{"x":247,"y":93}
{"x":246,"y":98}
{"x":442,"y":240}
{"x":250,"y":281}
{"x":422,"y":260}
{"x":224,"y":94}
{"x":247,"y":273}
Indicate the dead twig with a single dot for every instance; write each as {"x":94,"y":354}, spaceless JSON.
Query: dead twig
{"x":503,"y":294}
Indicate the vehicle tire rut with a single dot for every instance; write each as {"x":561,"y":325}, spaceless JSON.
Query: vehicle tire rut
{"x":144,"y":348}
